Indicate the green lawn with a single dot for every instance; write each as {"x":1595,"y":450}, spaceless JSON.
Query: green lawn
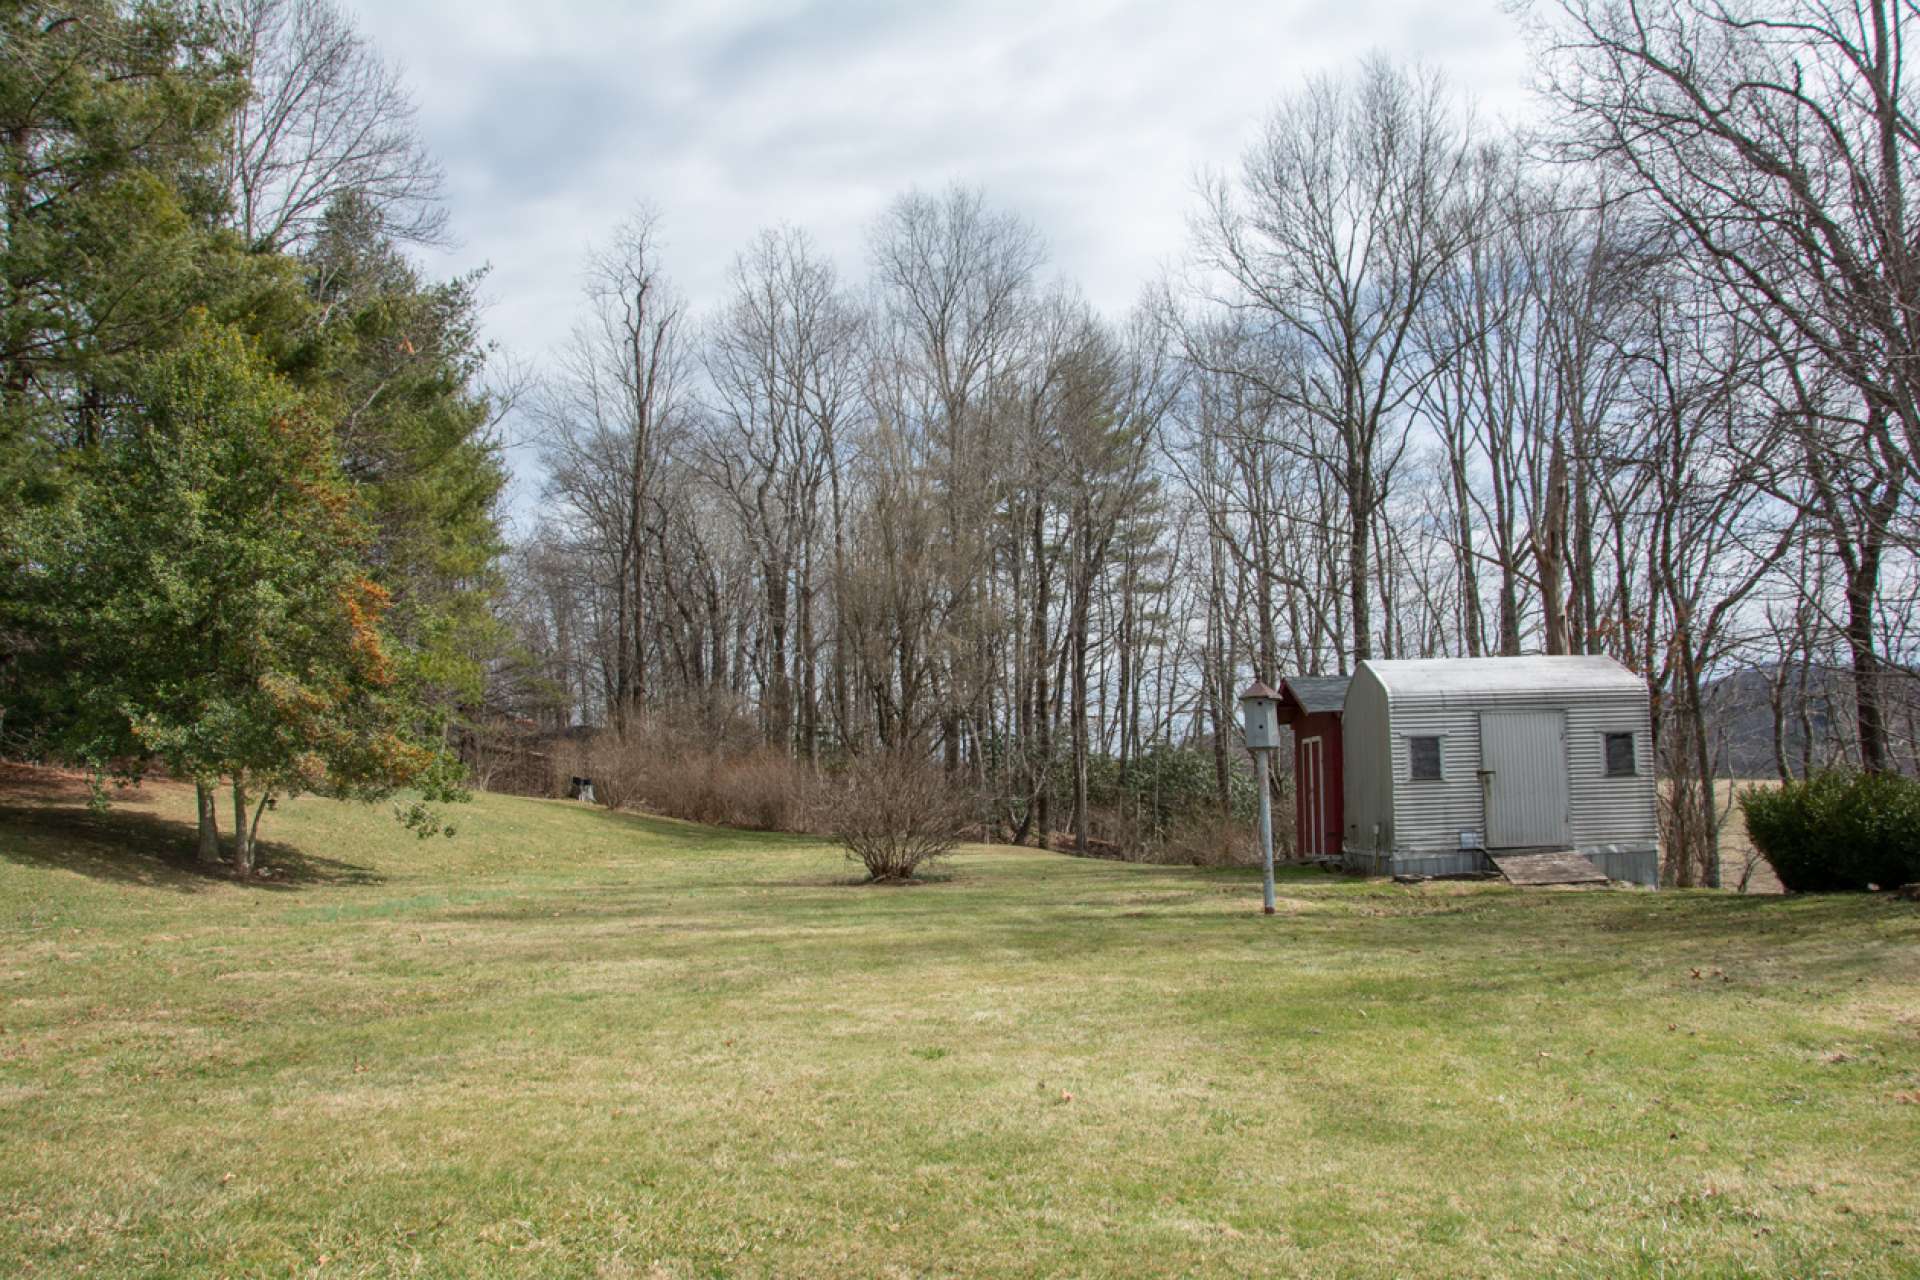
{"x":571,"y":1043}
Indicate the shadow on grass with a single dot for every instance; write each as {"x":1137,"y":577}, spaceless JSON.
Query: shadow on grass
{"x":152,"y":852}
{"x":848,"y":881}
{"x":46,"y":785}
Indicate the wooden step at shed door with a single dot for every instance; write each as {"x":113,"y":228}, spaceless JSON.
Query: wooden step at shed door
{"x":1547,"y":866}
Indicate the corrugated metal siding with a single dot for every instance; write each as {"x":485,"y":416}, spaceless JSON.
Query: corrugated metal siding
{"x":1636,"y":866}
{"x":1527,"y":795}
{"x":1611,"y":811}
{"x":1368,"y":790}
{"x":1431,"y":814}
{"x":1613,"y":817}
{"x":1604,"y":811}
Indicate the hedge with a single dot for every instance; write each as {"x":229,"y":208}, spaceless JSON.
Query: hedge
{"x":1838,"y":830}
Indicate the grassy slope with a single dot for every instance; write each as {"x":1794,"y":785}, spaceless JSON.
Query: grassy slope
{"x":570,"y":1043}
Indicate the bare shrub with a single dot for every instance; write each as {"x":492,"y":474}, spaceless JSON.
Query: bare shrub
{"x":567,"y":761}
{"x":1208,"y":840}
{"x":895,"y":814}
{"x":681,"y":771}
{"x":616,"y":768}
{"x":1113,"y":831}
{"x":765,"y":791}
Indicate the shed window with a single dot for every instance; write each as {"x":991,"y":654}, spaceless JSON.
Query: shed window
{"x":1423,"y":758}
{"x":1620,"y":763}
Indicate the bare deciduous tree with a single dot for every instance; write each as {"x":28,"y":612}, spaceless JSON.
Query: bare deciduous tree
{"x":784,"y":365}
{"x":327,"y":116}
{"x":1780,"y":138}
{"x":1345,"y":219}
{"x":606,"y":417}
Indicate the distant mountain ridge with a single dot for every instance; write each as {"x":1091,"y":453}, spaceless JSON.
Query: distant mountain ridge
{"x":1816,"y":718}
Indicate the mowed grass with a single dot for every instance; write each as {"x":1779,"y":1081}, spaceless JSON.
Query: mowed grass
{"x":575,"y":1043}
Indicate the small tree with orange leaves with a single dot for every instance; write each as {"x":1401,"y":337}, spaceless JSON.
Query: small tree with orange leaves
{"x":208,"y":587}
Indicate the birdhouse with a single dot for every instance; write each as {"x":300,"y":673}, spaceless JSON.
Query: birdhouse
{"x":1260,"y":717}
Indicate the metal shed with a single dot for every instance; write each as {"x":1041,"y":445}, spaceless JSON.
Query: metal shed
{"x":1448,"y":759}
{"x":1311,"y":706}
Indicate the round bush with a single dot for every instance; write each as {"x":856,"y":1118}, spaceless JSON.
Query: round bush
{"x":895,"y":813}
{"x":1838,"y":830}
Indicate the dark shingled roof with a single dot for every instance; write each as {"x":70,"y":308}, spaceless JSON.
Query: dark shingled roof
{"x":1318,"y":693}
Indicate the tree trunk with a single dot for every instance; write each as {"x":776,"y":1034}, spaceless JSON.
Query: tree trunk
{"x":1862,"y":585}
{"x":623,"y":647}
{"x":16,"y":379}
{"x":779,"y":694}
{"x":809,"y":681}
{"x":1358,"y":567}
{"x":1582,"y":598}
{"x":1216,"y":675}
{"x":1128,"y":700}
{"x":1552,"y":552}
{"x":1080,"y":621}
{"x":1041,"y":752}
{"x":1805,"y":711}
{"x":1080,"y":728}
{"x":1703,"y":763}
{"x":242,"y":831}
{"x":209,"y":821}
{"x":1777,"y":703}
{"x":1471,"y":621}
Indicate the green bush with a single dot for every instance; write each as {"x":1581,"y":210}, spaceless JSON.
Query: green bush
{"x":1162,"y":787}
{"x":1838,"y":830}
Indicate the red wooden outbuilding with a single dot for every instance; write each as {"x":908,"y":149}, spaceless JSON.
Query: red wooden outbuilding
{"x":1311,"y":706}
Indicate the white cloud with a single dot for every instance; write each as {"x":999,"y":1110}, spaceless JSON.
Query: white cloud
{"x":1088,"y":117}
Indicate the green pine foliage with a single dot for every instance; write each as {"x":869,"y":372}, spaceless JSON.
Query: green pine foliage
{"x":394,"y":362}
{"x":110,"y":130}
{"x":248,"y":498}
{"x":1163,"y":786}
{"x":206,"y":575}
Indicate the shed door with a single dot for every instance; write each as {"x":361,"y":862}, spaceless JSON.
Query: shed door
{"x":1313,"y":798}
{"x":1523,"y":766}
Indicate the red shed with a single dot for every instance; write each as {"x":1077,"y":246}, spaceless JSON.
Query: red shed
{"x":1311,"y":706}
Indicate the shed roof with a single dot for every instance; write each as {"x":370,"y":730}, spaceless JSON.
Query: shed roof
{"x":1317,"y":694}
{"x":1538,"y":673}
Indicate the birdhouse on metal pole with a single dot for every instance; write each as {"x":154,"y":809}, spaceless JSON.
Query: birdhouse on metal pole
{"x":1260,"y":719}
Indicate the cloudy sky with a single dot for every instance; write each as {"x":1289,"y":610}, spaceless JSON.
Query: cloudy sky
{"x":1088,"y":117}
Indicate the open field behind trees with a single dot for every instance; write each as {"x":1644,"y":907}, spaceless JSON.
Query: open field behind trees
{"x":1739,"y":860}
{"x":573,"y":1042}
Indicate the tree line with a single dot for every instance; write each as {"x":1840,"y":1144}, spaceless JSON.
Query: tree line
{"x":1637,"y":381}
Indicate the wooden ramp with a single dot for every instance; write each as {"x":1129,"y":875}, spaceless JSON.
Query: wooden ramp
{"x":1547,"y":866}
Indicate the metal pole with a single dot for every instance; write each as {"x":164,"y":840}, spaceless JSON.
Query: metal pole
{"x":1266,"y":831}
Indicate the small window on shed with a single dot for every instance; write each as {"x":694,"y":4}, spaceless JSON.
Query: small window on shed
{"x":1620,"y":762}
{"x":1423,"y":758}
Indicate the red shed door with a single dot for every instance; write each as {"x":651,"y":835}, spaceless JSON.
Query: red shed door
{"x":1313,"y":797}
